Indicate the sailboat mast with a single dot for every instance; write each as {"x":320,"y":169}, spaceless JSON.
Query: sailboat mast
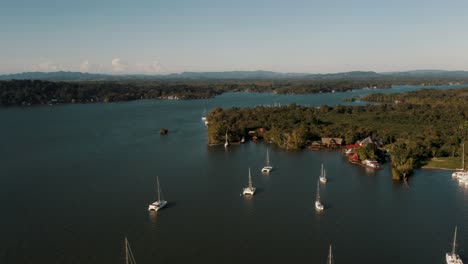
{"x":463,"y":157}
{"x":330,"y":256}
{"x":126,"y":250}
{"x":267,"y":159}
{"x":159,"y":195}
{"x":454,"y":242}
{"x":318,"y":191}
{"x":250,"y":180}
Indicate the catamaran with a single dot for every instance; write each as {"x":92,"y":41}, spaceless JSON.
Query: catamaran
{"x":330,"y":256}
{"x":129,"y":259}
{"x":318,"y":204}
{"x":249,"y":189}
{"x":267,"y":168}
{"x":452,"y":257}
{"x":158,"y":204}
{"x":226,"y":143}
{"x":323,"y":176}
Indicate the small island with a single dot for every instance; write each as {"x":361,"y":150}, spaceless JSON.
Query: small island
{"x":411,"y":127}
{"x":163,"y":131}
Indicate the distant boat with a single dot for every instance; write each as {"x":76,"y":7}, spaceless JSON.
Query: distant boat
{"x":452,"y":257}
{"x":129,"y":259}
{"x":203,"y":118}
{"x":371,"y":164}
{"x":463,"y":180}
{"x":267,"y":168}
{"x":250,"y":190}
{"x":226,"y":143}
{"x":318,"y":204}
{"x":160,"y":203}
{"x":330,"y":256}
{"x":323,"y":176}
{"x":461,"y":173}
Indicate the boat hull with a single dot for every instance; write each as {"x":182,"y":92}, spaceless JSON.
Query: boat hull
{"x":453,"y":259}
{"x":156,"y":206}
{"x":318,"y":206}
{"x":267,"y":169}
{"x":249,"y":191}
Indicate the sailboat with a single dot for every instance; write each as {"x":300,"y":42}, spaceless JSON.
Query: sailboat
{"x":203,"y":118}
{"x":318,"y":204}
{"x":330,"y":256}
{"x":226,"y":144}
{"x":461,"y":174}
{"x":158,"y":204}
{"x":452,"y":257}
{"x":129,"y":259}
{"x":267,"y":168}
{"x":249,"y":189}
{"x":323,"y":176}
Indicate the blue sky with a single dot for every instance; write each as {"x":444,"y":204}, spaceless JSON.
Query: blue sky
{"x":112,"y":36}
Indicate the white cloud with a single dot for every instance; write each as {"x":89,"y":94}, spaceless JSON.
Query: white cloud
{"x":118,"y":66}
{"x":84,"y":66}
{"x":141,"y":67}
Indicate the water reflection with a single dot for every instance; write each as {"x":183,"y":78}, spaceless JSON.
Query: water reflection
{"x":370,"y":171}
{"x":249,"y":202}
{"x":153,"y":217}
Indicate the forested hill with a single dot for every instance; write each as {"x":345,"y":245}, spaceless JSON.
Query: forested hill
{"x":414,"y":126}
{"x":454,"y":76}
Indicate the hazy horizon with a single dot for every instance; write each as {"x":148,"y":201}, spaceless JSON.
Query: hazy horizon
{"x":159,"y":37}
{"x":227,"y":71}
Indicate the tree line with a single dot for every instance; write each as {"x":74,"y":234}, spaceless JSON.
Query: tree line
{"x":30,"y":92}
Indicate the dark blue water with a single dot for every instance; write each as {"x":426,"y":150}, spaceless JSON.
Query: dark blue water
{"x":76,"y":179}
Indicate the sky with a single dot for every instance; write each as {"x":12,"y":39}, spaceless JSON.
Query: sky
{"x":171,"y":36}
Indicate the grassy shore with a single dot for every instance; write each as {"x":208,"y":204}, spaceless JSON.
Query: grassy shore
{"x":445,"y":163}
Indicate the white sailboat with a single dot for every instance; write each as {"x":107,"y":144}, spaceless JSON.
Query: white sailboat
{"x":461,"y":173}
{"x":129,"y":259}
{"x":267,"y":168}
{"x":204,"y":118}
{"x":158,"y":204}
{"x":323,"y":176}
{"x":318,"y":204}
{"x":250,"y":190}
{"x":452,"y":257}
{"x":226,"y":143}
{"x":330,"y":256}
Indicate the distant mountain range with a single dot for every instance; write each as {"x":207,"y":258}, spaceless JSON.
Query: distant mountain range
{"x":232,"y":75}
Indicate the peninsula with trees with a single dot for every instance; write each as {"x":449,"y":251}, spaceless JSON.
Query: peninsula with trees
{"x":412,"y":127}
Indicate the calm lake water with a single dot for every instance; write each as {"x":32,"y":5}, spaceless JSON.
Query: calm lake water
{"x":75,"y":179}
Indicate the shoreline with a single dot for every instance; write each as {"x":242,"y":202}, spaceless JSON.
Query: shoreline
{"x":437,"y":168}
